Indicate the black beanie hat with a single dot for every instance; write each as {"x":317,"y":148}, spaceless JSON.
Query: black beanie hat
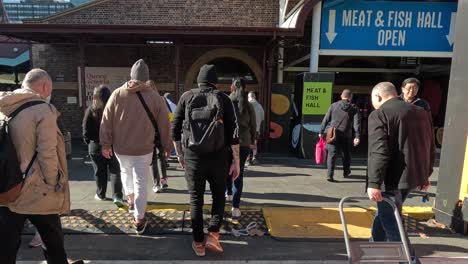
{"x":207,"y":74}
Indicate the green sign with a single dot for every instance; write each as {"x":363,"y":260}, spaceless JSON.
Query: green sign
{"x":316,"y":98}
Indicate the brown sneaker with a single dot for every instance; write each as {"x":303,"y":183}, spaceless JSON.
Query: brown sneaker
{"x":198,"y":248}
{"x":212,"y":242}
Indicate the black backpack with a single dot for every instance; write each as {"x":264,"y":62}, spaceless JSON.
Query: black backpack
{"x":203,"y":127}
{"x":11,"y":176}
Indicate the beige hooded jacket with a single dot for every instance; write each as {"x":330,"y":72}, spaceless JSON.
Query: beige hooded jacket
{"x":46,"y":189}
{"x":125,"y":124}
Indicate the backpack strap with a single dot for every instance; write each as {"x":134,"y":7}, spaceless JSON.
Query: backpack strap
{"x":168,"y":106}
{"x":24,"y":106}
{"x":220,"y":113}
{"x":13,"y":115}
{"x":29,"y":166}
{"x":194,"y":92}
{"x":157,"y":141}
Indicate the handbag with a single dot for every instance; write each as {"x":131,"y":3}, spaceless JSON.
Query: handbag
{"x":331,"y":131}
{"x":320,"y":152}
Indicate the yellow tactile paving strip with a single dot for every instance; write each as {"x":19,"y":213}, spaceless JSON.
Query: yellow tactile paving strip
{"x":280,"y":222}
{"x":316,"y":222}
{"x":287,"y":222}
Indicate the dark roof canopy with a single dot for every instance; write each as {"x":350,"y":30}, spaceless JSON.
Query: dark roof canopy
{"x":133,"y":34}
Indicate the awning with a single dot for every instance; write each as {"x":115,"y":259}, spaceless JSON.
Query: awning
{"x":71,"y":33}
{"x":13,"y":62}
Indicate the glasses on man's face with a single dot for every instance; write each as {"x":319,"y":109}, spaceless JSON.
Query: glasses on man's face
{"x":411,"y":88}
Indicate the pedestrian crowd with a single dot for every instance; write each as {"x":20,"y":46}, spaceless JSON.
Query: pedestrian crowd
{"x":132,"y":131}
{"x":130,"y":134}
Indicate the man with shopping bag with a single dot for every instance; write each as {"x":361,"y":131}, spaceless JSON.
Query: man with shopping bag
{"x":344,"y":118}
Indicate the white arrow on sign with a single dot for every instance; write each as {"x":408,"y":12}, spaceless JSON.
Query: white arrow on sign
{"x":451,"y":34}
{"x":331,"y":26}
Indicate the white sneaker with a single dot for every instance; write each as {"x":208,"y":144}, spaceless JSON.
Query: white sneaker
{"x":236,"y":212}
{"x":254,"y":161}
{"x":157,"y":188}
{"x":36,"y":241}
{"x":228,"y":198}
{"x":96,"y":197}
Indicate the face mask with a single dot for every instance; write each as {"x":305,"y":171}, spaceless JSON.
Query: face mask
{"x":48,"y":99}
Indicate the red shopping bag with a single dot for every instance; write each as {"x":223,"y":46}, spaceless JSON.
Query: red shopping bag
{"x":320,"y":152}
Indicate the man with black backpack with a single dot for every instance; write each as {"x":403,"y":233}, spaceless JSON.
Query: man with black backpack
{"x":206,"y":136}
{"x":33,"y":169}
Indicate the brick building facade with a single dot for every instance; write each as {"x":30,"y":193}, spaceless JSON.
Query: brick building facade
{"x":218,"y":13}
{"x":174,"y":37}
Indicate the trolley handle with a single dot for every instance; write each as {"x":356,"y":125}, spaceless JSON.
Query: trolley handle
{"x":401,"y":228}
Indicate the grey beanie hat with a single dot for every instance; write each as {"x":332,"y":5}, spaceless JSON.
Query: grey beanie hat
{"x":207,"y":74}
{"x":140,"y":71}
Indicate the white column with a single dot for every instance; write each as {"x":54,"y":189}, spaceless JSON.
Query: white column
{"x":283,"y":7}
{"x":315,"y":43}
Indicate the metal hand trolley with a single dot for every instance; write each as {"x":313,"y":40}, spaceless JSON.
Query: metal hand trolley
{"x":376,"y":252}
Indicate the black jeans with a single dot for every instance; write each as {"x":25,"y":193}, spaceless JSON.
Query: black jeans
{"x":341,"y":147}
{"x":239,"y":182}
{"x":213,"y":169}
{"x":105,"y":169}
{"x":49,"y":227}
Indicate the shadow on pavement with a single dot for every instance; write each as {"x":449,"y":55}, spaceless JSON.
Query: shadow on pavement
{"x":432,"y":249}
{"x":289,"y":197}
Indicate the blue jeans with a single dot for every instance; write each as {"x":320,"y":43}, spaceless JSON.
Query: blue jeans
{"x":385,"y":227}
{"x":236,"y":190}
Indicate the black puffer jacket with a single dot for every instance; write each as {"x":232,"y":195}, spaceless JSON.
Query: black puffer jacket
{"x":91,"y":124}
{"x":344,"y":116}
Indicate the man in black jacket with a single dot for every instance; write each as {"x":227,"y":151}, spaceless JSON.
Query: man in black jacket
{"x":400,"y":158}
{"x":212,"y":167}
{"x":344,"y":116}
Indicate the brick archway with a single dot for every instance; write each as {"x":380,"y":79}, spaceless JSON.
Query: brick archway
{"x":224,"y":53}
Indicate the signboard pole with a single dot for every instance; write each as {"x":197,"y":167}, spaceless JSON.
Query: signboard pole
{"x":314,"y":49}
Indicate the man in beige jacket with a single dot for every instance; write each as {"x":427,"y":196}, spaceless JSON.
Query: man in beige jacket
{"x":45,"y":194}
{"x":127,"y":128}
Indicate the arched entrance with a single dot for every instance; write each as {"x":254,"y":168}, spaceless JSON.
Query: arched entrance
{"x":225,"y":60}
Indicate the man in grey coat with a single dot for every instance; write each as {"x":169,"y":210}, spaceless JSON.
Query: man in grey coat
{"x":345,"y":117}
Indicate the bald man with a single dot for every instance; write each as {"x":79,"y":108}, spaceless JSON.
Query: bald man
{"x":400,"y":158}
{"x":345,"y":117}
{"x":41,"y":151}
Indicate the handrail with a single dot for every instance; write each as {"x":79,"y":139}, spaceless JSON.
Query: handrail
{"x":396,"y":212}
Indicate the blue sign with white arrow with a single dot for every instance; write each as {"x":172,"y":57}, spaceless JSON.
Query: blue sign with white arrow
{"x":351,"y":27}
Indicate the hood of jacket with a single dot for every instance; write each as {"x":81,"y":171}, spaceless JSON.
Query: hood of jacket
{"x":345,"y":105}
{"x":136,"y":86}
{"x":10,"y":101}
